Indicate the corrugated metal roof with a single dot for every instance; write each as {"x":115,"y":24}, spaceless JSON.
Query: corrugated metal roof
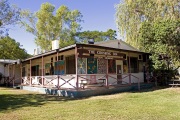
{"x":96,"y":45}
{"x":7,"y":61}
{"x":50,"y":52}
{"x":125,"y":47}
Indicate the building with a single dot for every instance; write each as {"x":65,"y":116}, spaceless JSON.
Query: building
{"x":10,"y":72}
{"x":85,"y":66}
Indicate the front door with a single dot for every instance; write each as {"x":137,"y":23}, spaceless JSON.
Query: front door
{"x":119,"y":74}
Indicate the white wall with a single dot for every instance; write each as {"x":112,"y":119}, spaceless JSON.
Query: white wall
{"x":17,"y":74}
{"x":4,"y":70}
{"x":8,"y":71}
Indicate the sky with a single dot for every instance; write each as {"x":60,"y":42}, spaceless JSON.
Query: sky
{"x":97,"y":15}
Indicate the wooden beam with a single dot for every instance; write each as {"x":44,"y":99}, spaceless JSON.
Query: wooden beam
{"x":42,"y":70}
{"x":21,"y":73}
{"x":107,"y":83}
{"x":76,"y":62}
{"x":129,"y":63}
{"x":30,"y":73}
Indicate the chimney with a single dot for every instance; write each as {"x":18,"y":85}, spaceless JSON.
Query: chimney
{"x":55,"y":44}
{"x":91,"y":41}
{"x":119,"y":44}
{"x":36,"y":51}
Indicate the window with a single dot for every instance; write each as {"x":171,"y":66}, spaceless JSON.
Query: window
{"x":111,"y":66}
{"x":47,"y":68}
{"x":133,"y":64}
{"x":35,"y":70}
{"x":23,"y":72}
{"x":59,"y":58}
{"x":125,"y":66}
{"x":141,"y":68}
{"x":70,"y":65}
{"x":62,"y":57}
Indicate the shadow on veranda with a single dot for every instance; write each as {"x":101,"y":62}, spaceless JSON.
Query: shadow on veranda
{"x":12,"y":99}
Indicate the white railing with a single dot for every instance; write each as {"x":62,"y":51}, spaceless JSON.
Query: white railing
{"x":70,"y":81}
{"x":58,"y":81}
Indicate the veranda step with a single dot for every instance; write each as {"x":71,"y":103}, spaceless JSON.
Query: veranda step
{"x":17,"y":87}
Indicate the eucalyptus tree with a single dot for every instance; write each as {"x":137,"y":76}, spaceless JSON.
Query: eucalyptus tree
{"x":97,"y":36}
{"x":9,"y":15}
{"x":47,"y":25}
{"x":131,"y":13}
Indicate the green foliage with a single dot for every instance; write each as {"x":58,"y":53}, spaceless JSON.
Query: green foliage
{"x":8,"y":15}
{"x":152,"y":26}
{"x":130,"y":14}
{"x":48,"y":24}
{"x":161,"y":37}
{"x":10,"y":49}
{"x":84,"y":36}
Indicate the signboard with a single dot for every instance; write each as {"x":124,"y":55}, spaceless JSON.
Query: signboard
{"x":106,"y":54}
{"x":86,"y":56}
{"x":98,"y":52}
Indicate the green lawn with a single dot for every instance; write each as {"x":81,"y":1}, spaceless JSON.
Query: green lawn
{"x":153,"y":104}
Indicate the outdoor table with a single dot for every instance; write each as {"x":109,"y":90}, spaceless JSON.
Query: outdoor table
{"x":102,"y":79}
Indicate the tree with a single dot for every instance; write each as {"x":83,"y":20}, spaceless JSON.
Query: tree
{"x":97,"y":36}
{"x":130,"y":14}
{"x":9,"y":15}
{"x":47,"y":26}
{"x":10,"y":49}
{"x":161,"y":38}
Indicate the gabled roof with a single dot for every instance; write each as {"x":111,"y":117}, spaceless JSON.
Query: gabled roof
{"x":111,"y":45}
{"x":119,"y":44}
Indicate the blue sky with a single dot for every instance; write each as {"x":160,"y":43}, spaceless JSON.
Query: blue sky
{"x":97,"y":15}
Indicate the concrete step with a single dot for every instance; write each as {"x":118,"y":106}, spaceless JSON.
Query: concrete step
{"x":17,"y":87}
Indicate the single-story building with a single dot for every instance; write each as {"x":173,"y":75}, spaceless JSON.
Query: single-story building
{"x":112,"y":62}
{"x":9,"y":71}
{"x":81,"y":67}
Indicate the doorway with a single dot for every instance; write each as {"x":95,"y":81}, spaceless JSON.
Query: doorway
{"x":119,"y":74}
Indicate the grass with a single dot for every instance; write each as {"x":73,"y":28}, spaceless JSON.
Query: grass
{"x":159,"y":104}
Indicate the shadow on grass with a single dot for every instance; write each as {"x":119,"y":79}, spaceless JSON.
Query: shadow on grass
{"x":11,"y":100}
{"x":17,"y":101}
{"x":155,"y":88}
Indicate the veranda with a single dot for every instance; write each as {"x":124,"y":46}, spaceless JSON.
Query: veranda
{"x":83,"y":66}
